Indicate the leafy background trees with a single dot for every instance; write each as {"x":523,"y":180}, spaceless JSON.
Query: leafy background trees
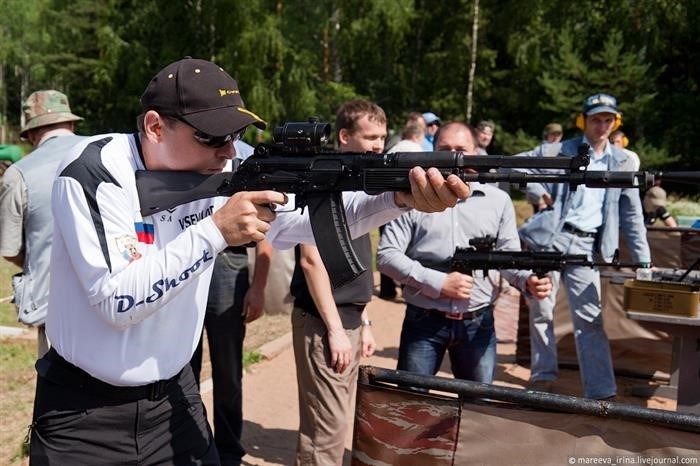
{"x":535,"y":60}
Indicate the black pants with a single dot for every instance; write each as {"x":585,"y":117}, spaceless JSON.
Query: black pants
{"x":225,"y":332}
{"x":79,"y":420}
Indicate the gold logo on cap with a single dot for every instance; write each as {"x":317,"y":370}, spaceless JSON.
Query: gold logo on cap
{"x":223,"y":92}
{"x":243,"y":110}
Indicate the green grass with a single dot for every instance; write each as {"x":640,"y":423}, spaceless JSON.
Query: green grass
{"x":16,"y":355}
{"x":8,"y":315}
{"x":17,"y":378}
{"x":250,"y":358}
{"x":685,"y":206}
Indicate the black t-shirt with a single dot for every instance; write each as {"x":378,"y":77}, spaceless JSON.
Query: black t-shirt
{"x":350,"y":298}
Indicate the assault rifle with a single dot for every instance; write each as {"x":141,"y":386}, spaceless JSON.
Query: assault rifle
{"x":297,"y":162}
{"x":467,"y":260}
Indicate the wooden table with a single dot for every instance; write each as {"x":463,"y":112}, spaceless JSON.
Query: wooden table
{"x":684,"y":385}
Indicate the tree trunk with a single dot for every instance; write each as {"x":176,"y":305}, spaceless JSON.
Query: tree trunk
{"x":472,"y":67}
{"x":3,"y":105}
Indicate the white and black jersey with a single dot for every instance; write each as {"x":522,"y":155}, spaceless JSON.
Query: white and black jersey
{"x":115,"y":269}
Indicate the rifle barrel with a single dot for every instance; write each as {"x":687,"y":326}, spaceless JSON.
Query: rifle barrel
{"x":479,"y":163}
{"x":691,"y":177}
{"x":591,"y":179}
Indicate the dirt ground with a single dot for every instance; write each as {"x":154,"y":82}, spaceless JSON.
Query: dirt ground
{"x":267,"y":328}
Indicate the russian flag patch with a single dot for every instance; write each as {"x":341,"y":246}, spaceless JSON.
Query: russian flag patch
{"x":145,"y":232}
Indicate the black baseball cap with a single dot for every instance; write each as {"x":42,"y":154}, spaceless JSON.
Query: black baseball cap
{"x":201,"y":94}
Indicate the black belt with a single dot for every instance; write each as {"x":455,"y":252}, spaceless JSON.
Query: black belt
{"x":236,"y":250}
{"x":457,"y":315}
{"x":53,"y":367}
{"x":569,"y":228}
{"x":351,"y":307}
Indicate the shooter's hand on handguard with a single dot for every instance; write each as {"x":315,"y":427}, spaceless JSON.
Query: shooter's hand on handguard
{"x":431,"y":192}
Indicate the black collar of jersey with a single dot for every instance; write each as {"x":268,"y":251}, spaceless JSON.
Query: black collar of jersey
{"x":137,"y":141}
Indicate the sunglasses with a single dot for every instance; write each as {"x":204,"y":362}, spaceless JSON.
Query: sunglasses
{"x":217,"y":142}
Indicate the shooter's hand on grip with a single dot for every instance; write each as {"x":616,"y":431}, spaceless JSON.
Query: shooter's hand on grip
{"x":538,"y":287}
{"x":246,"y":216}
{"x":457,"y":285}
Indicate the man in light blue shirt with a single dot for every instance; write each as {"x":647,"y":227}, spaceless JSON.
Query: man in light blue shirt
{"x":432,"y":123}
{"x":584,"y":221}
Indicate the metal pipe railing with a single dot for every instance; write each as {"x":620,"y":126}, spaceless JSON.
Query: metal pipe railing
{"x":534,"y":399}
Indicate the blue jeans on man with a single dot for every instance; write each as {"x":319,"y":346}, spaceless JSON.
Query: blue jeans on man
{"x":592,"y":345}
{"x":471,"y":344}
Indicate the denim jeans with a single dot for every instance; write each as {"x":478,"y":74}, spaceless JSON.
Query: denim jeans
{"x":471,"y":344}
{"x":592,"y":346}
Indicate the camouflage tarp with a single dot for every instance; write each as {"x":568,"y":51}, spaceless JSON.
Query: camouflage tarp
{"x":508,"y":426}
{"x":507,"y":435}
{"x":397,"y":427}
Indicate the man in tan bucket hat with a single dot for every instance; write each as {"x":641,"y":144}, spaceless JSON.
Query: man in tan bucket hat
{"x":46,"y":108}
{"x":654,"y":204}
{"x":26,"y":222}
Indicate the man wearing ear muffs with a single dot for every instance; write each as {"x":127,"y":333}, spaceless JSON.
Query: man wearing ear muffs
{"x":582,"y":221}
{"x":618,"y":139}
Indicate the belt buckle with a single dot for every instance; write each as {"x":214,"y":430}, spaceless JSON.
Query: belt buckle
{"x":454,"y":315}
{"x":157,"y":390}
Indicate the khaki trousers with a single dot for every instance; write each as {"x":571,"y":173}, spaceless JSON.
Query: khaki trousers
{"x":325,"y":397}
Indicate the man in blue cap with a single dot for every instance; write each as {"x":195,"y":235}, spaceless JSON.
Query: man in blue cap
{"x":582,"y":221}
{"x":432,"y":123}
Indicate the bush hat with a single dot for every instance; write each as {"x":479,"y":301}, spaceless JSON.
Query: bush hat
{"x":654,"y":198}
{"x":552,"y":128}
{"x":43,"y":108}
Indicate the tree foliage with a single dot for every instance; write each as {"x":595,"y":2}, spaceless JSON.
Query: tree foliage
{"x":536,"y":60}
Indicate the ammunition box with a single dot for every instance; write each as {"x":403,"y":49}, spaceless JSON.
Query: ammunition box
{"x":662,"y":297}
